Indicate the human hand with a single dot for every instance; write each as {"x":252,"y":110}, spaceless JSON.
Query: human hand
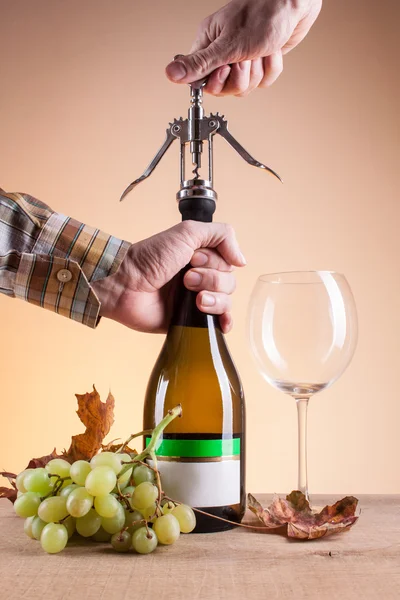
{"x":240,"y":46}
{"x":140,"y":294}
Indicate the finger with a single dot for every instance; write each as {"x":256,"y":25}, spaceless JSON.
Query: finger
{"x":226,"y":322}
{"x":238,"y":80}
{"x":217,"y":79}
{"x":206,"y":257}
{"x":219,"y":236}
{"x":197,"y":65}
{"x":273,"y":67}
{"x":210,"y":280}
{"x":213,"y":303}
{"x":256,"y":76}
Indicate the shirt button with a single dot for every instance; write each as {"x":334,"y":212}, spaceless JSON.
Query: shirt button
{"x":64,"y":275}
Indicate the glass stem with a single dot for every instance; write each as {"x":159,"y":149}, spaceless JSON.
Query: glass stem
{"x":302,"y":405}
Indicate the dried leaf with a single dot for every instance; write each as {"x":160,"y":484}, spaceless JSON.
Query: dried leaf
{"x":9,"y":493}
{"x":115,"y":447}
{"x":34,"y":463}
{"x":8,"y":475}
{"x":302,"y":522}
{"x":98,"y":417}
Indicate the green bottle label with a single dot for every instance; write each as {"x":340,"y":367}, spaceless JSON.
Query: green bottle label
{"x":197,"y":448}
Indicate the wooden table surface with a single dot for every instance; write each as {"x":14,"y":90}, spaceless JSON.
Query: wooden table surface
{"x":238,"y":564}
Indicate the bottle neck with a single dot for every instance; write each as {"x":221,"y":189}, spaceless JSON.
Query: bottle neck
{"x":186,"y":313}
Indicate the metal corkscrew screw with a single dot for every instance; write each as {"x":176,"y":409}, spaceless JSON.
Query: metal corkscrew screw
{"x":194,"y":130}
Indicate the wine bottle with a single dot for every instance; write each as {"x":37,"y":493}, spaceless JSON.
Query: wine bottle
{"x":201,"y":456}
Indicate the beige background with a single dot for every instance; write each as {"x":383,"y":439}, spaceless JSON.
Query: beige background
{"x":83,"y":107}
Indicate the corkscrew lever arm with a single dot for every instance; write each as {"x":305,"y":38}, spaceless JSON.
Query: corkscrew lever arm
{"x":168,"y":141}
{"x":223,"y":131}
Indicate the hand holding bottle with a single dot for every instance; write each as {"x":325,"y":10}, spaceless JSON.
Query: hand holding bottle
{"x":241,"y":45}
{"x":140,"y":295}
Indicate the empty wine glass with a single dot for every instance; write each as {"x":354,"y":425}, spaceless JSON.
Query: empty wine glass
{"x":303,"y":333}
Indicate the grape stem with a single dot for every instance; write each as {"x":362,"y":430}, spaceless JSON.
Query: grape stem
{"x":155,"y":436}
{"x":57,"y":486}
{"x":132,"y":437}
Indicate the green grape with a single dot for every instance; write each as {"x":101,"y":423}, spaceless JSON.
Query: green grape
{"x":68,"y":489}
{"x":125,"y":458}
{"x":107,"y":459}
{"x":79,"y":502}
{"x":128,"y":491}
{"x":70,"y":525}
{"x":115,"y":523}
{"x":123,"y":480}
{"x":168,"y":507}
{"x":19,"y":482}
{"x":53,"y":509}
{"x":27,"y":505}
{"x":80,"y":469}
{"x":37,"y":527}
{"x":131,"y":517}
{"x":28,"y":527}
{"x":89,"y":524}
{"x":144,"y":495}
{"x":100,"y":481}
{"x":101,"y":536}
{"x":186,"y":517}
{"x":142,"y":474}
{"x":58,"y":466}
{"x":20,"y":494}
{"x":144,"y":541}
{"x":148,"y":512}
{"x":167,"y":529}
{"x":106,"y":506}
{"x":54,"y":538}
{"x":121,"y":541}
{"x":38,"y":481}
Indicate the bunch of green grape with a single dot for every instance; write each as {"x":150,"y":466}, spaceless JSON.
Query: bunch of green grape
{"x":104,"y":499}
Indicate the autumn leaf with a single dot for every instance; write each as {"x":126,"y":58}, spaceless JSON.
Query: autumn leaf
{"x":116,"y":447}
{"x":9,"y":493}
{"x":34,"y":463}
{"x":302,"y":522}
{"x":98,"y":417}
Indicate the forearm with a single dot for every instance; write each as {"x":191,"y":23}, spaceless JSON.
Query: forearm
{"x":51,"y":260}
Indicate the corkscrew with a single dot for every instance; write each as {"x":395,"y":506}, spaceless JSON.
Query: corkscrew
{"x":195,"y":130}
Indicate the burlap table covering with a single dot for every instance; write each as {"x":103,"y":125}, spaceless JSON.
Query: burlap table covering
{"x":238,"y":564}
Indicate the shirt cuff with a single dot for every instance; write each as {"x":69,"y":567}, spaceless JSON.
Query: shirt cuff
{"x":66,"y":258}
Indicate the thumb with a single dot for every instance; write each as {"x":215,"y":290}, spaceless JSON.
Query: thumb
{"x":197,"y":65}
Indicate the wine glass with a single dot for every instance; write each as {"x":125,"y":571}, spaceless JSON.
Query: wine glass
{"x":302,"y":329}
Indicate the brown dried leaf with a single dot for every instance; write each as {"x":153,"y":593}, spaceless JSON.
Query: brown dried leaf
{"x":115,"y":448}
{"x":9,"y":493}
{"x":8,"y":475}
{"x":98,"y":417}
{"x":34,"y":463}
{"x":302,"y":522}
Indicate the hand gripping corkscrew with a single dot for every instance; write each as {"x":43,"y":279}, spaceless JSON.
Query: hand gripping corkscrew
{"x":194,"y":130}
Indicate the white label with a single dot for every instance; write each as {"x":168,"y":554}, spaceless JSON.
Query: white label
{"x":201,"y":484}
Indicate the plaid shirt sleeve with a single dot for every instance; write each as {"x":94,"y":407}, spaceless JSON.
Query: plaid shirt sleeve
{"x":51,"y":260}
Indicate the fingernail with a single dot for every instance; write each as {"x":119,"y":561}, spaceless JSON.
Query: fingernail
{"x":207,"y":300}
{"x":242,"y":258}
{"x":200,"y":258}
{"x":193,"y":278}
{"x":223,"y":74}
{"x":176,"y":70}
